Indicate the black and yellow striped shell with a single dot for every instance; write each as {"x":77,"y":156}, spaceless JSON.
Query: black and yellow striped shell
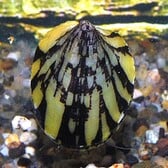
{"x":82,"y":80}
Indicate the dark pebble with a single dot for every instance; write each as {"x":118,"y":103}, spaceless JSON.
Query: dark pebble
{"x":107,"y":161}
{"x":161,"y":133}
{"x":131,"y":160}
{"x":139,"y":122}
{"x":24,"y":162}
{"x":2,"y":90}
{"x":16,"y":152}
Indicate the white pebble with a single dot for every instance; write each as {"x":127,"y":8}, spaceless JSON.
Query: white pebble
{"x":91,"y":166}
{"x":14,"y":55}
{"x":137,"y":93}
{"x":152,"y":136}
{"x":30,"y":150}
{"x":21,"y":122}
{"x":26,"y":83}
{"x":161,"y":62}
{"x":27,"y":137}
{"x":33,"y":125}
{"x":4,"y":150}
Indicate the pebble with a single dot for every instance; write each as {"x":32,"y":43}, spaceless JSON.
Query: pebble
{"x":12,"y":141}
{"x":17,"y":151}
{"x":145,"y":152}
{"x":28,"y":137}
{"x":4,"y":150}
{"x":106,"y":161}
{"x":152,"y":136}
{"x":21,"y":122}
{"x":30,"y":150}
{"x":140,"y":126}
{"x":14,"y":56}
{"x":160,"y":161}
{"x":131,"y":159}
{"x":161,"y":62}
{"x":24,"y":162}
{"x":91,"y":166}
{"x":162,"y":146}
{"x":33,"y":126}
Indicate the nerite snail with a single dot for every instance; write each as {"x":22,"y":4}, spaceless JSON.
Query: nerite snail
{"x":82,"y":81}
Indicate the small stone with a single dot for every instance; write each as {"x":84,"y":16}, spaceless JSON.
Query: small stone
{"x":160,"y":161}
{"x":30,"y":150}
{"x":162,"y":146}
{"x":137,"y":93}
{"x":152,"y":136}
{"x":21,"y":122}
{"x":4,"y":150}
{"x":153,"y":76}
{"x":162,"y":143}
{"x":34,"y":126}
{"x":1,"y":139}
{"x":27,"y":137}
{"x":26,"y":83}
{"x":24,"y":162}
{"x":7,"y":64}
{"x":91,"y":166}
{"x":131,"y":159}
{"x":106,"y":161}
{"x":12,"y":141}
{"x":145,"y":152}
{"x":17,"y":151}
{"x":165,"y":104}
{"x":140,"y":126}
{"x":161,"y":62}
{"x":161,"y":133}
{"x":14,"y":56}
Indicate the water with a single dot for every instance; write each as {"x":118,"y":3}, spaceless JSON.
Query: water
{"x":144,"y":26}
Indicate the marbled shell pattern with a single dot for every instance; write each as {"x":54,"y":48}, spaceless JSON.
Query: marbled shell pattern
{"x":82,"y":81}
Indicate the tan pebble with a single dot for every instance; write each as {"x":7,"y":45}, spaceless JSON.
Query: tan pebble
{"x":153,"y":76}
{"x":141,"y":130}
{"x":163,"y":124}
{"x":146,"y":91}
{"x":165,"y":104}
{"x":160,"y":161}
{"x":143,"y":152}
{"x":12,"y":141}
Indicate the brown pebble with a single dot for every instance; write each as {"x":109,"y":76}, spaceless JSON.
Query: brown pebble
{"x":7,"y":64}
{"x":162,"y":143}
{"x":140,"y":126}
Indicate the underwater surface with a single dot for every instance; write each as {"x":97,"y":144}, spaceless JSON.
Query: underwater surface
{"x":142,"y":140}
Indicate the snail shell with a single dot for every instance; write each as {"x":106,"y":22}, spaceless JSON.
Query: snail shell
{"x":82,"y":81}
